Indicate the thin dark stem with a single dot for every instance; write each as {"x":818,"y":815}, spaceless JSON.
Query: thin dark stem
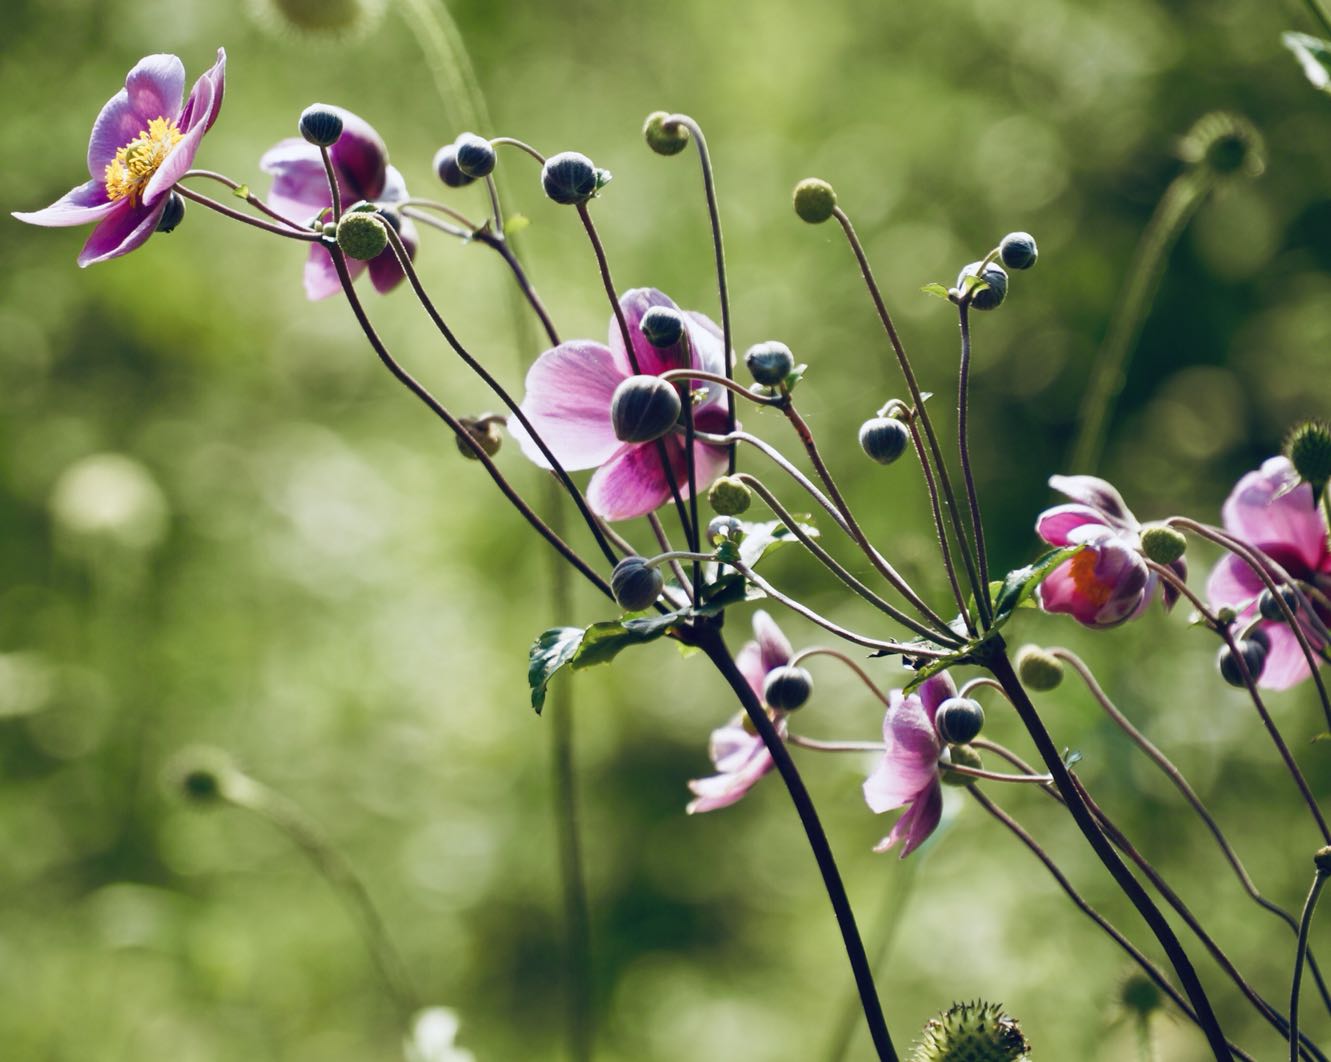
{"x":963,"y":439}
{"x":675,"y":375}
{"x":710,"y":641}
{"x":509,"y":141}
{"x":714,"y":216}
{"x":932,"y":488}
{"x":249,"y":197}
{"x":1319,"y":879}
{"x":1149,"y":968}
{"x":837,"y":654}
{"x":420,"y":391}
{"x":304,"y":235}
{"x":1002,"y":670}
{"x":917,"y":397}
{"x":696,"y":539}
{"x":413,"y":278}
{"x":663,"y":540}
{"x":333,"y":188}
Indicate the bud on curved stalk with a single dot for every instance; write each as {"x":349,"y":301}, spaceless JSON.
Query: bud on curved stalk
{"x":960,"y":756}
{"x":1039,"y":670}
{"x":320,"y":125}
{"x":959,"y":720}
{"x":729,"y":496}
{"x":570,"y":178}
{"x":815,"y":200}
{"x":361,"y":234}
{"x":486,"y":430}
{"x":173,"y":215}
{"x":1253,"y":649}
{"x":662,"y":137}
{"x":986,"y":298}
{"x":723,"y":529}
{"x":662,"y":327}
{"x":1018,"y":250}
{"x":644,"y":408}
{"x":635,"y":584}
{"x":884,"y":439}
{"x":1269,"y":606}
{"x":447,"y":168}
{"x":474,"y":155}
{"x":1162,"y":544}
{"x":787,"y":688}
{"x":769,"y":363}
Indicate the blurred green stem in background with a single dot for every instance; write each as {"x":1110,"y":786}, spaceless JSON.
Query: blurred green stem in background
{"x":1319,"y":14}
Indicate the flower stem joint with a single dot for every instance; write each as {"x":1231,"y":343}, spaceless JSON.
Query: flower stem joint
{"x":635,"y":584}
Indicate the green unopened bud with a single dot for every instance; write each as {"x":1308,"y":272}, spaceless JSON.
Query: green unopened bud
{"x":486,"y":430}
{"x":1039,"y":670}
{"x":814,"y":200}
{"x":961,"y":756}
{"x":1309,"y":451}
{"x":200,"y":774}
{"x":972,"y":1032}
{"x":729,"y":496}
{"x":723,"y":529}
{"x":361,"y":235}
{"x":1140,"y":996}
{"x":1163,"y":544}
{"x":662,"y":137}
{"x":320,"y":124}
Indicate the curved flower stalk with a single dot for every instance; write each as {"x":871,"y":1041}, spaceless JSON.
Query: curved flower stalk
{"x":300,"y":193}
{"x":740,"y":757}
{"x":142,"y":143}
{"x":1108,"y":581}
{"x":1273,"y":512}
{"x":569,"y":390}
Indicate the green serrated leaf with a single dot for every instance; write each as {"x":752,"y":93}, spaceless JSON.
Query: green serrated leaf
{"x":936,"y":666}
{"x":726,"y":591}
{"x":602,"y":642}
{"x":1019,"y":586}
{"x":551,"y":651}
{"x":1314,"y":56}
{"x":938,"y":289}
{"x":241,"y":191}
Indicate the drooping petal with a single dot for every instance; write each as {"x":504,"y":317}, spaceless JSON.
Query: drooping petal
{"x":385,"y":270}
{"x":568,"y":398}
{"x":1098,"y":495}
{"x":741,"y":759}
{"x":1057,"y":524}
{"x":360,"y":158}
{"x":120,"y":231}
{"x":321,"y":279}
{"x":935,"y":691}
{"x":773,"y":646}
{"x":731,"y":746}
{"x":204,"y":101}
{"x":1233,"y":583}
{"x":154,"y":88}
{"x":749,"y":660}
{"x":1265,"y":511}
{"x":1169,"y":593}
{"x":910,"y":761}
{"x":1285,"y":665}
{"x":79,"y":206}
{"x":917,"y":824}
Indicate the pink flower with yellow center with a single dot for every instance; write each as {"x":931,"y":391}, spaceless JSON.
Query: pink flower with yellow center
{"x":143,"y":142}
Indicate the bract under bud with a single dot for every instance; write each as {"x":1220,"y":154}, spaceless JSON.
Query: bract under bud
{"x":959,"y":720}
{"x":729,"y":496}
{"x":173,"y":215}
{"x":1162,"y":544}
{"x":986,"y":298}
{"x":635,"y":584}
{"x":447,"y":168}
{"x":787,"y":688}
{"x":644,"y":408}
{"x":662,"y":327}
{"x":884,"y":439}
{"x":662,"y":137}
{"x":321,"y":125}
{"x":570,"y":178}
{"x":770,"y":362}
{"x":815,"y":200}
{"x":361,"y":235}
{"x":474,"y":155}
{"x":1018,"y":251}
{"x":1039,"y":670}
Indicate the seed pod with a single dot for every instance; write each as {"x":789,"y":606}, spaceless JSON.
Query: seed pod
{"x":769,"y":363}
{"x":662,"y":327}
{"x":884,"y":439}
{"x":787,"y":688}
{"x":446,"y":166}
{"x":814,"y":200}
{"x":985,"y":298}
{"x":570,"y":178}
{"x":1163,"y":544}
{"x":662,"y":138}
{"x":474,"y":155}
{"x":636,"y":586}
{"x":1308,"y":448}
{"x":320,"y":124}
{"x":1018,"y":250}
{"x":1039,"y":670}
{"x":173,"y":214}
{"x":643,"y":409}
{"x":361,"y":235}
{"x":729,"y":496}
{"x":959,"y":720}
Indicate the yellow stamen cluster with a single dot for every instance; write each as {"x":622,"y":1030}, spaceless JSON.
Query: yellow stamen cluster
{"x":137,"y":161}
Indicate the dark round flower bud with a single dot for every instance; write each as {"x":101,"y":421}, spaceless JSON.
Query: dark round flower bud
{"x":723,"y":529}
{"x":1038,"y":670}
{"x":729,"y":496}
{"x":200,"y":774}
{"x":1253,"y":649}
{"x":1309,"y":451}
{"x":1018,"y":250}
{"x":635,"y":584}
{"x":570,"y":178}
{"x":663,"y":138}
{"x":1163,"y":544}
{"x":959,"y":720}
{"x":485,"y":430}
{"x":361,"y":235}
{"x":1140,"y":996}
{"x":1270,"y":608}
{"x":474,"y":155}
{"x":770,"y":363}
{"x":320,"y":124}
{"x":884,"y":439}
{"x":787,"y":688}
{"x":644,"y":408}
{"x":662,"y":327}
{"x":962,"y":756}
{"x":173,"y":214}
{"x":985,"y":298}
{"x":446,"y":166}
{"x":814,"y":200}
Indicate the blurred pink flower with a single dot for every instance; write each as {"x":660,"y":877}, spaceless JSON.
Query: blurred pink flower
{"x":143,"y":141}
{"x":909,"y":773}
{"x":1272,"y":511}
{"x":738,"y":753}
{"x":568,"y":398}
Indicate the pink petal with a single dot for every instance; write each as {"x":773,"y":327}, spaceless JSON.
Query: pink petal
{"x":632,"y":482}
{"x":917,"y":824}
{"x":300,"y":186}
{"x":154,"y":88}
{"x":79,"y":206}
{"x":568,"y":398}
{"x":1099,"y":495}
{"x":1285,"y":665}
{"x":1233,"y":582}
{"x":773,"y":645}
{"x":321,"y":279}
{"x":749,"y":660}
{"x":1257,"y":512}
{"x":385,"y":270}
{"x":199,"y":108}
{"x":1056,"y":525}
{"x":121,"y":231}
{"x":935,"y":691}
{"x":204,"y":101}
{"x":116,"y":125}
{"x":651,"y":362}
{"x":741,"y":759}
{"x":910,"y":762}
{"x":1060,"y":593}
{"x":360,"y":158}
{"x":731,"y":746}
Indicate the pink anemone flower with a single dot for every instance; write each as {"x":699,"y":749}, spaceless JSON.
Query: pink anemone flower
{"x":1108,"y":581}
{"x":739,"y":754}
{"x":909,"y":773}
{"x":360,"y":163}
{"x":142,"y":143}
{"x":568,"y":398}
{"x":1273,"y":512}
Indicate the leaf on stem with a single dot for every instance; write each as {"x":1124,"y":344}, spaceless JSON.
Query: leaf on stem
{"x":1314,"y":55}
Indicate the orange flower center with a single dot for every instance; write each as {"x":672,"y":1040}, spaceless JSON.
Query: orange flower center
{"x":1088,"y":584}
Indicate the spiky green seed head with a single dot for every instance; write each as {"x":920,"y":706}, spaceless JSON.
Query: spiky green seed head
{"x":361,"y":235}
{"x":729,"y":496}
{"x":1039,"y":670}
{"x":1308,"y":448}
{"x":1163,"y":544}
{"x":972,"y":1032}
{"x":814,"y":200}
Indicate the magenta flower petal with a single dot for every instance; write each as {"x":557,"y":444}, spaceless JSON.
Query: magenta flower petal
{"x":79,"y":206}
{"x":917,"y":824}
{"x":1099,"y":495}
{"x":741,"y":759}
{"x":300,"y":186}
{"x":321,"y":279}
{"x":1285,"y":665}
{"x":935,"y":691}
{"x":568,"y":398}
{"x":385,"y":270}
{"x":360,"y":158}
{"x":774,"y":647}
{"x":1232,"y":582}
{"x":1057,"y":524}
{"x":749,"y":660}
{"x":116,"y":125}
{"x":910,"y":760}
{"x":121,"y":231}
{"x":1263,"y":510}
{"x":200,"y":113}
{"x":154,"y":88}
{"x":630,"y":484}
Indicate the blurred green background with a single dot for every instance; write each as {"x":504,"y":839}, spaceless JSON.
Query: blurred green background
{"x":225,"y":524}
